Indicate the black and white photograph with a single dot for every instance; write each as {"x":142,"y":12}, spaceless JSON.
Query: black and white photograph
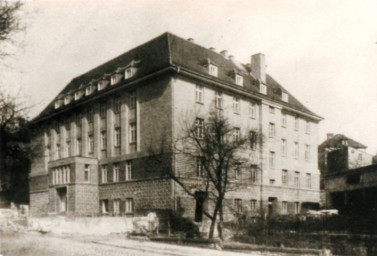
{"x":187,"y":127}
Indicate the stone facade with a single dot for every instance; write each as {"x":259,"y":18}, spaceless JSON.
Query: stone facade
{"x":98,"y":135}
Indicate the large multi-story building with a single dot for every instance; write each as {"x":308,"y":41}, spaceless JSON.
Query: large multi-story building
{"x":96,"y":133}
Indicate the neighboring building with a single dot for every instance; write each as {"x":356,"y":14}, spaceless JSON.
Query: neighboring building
{"x":96,"y":133}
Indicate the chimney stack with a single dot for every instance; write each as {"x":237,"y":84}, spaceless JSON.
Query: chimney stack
{"x":224,"y":53}
{"x":330,"y":135}
{"x":258,"y":67}
{"x":231,"y":57}
{"x":212,"y":49}
{"x":191,"y":40}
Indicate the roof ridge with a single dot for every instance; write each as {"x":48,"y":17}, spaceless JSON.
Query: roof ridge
{"x":169,"y":49}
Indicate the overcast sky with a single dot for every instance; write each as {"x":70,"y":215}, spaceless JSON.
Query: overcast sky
{"x":323,"y":52}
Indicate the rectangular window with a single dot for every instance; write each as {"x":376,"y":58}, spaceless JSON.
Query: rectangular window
{"x":128,"y":73}
{"x":116,"y":172}
{"x":297,"y":179}
{"x":308,"y":180}
{"x":199,"y":128}
{"x":199,"y":167}
{"x":263,"y":89}
{"x":236,"y":105}
{"x":284,"y":177}
{"x":219,"y":100}
{"x":117,"y":137}
{"x":105,"y":206}
{"x":103,"y":110}
{"x":272,"y":110}
{"x":133,"y":133}
{"x":254,"y":175}
{"x":307,"y":129}
{"x":284,"y":97}
{"x":307,"y":152}
{"x":252,"y":110}
{"x":297,"y":207}
{"x":284,"y":120}
{"x":284,"y":207}
{"x":129,"y":205}
{"x":132,"y":100}
{"x":296,"y":152}
{"x":199,"y":93}
{"x":272,"y":159}
{"x":90,"y":115}
{"x":236,"y":134}
{"x":116,"y":206}
{"x":113,"y":79}
{"x":297,"y":125}
{"x":253,"y":204}
{"x":271,"y":130}
{"x":237,"y":172}
{"x":128,"y":175}
{"x":239,"y":80}
{"x":212,"y":70}
{"x":86,"y":173}
{"x":283,"y":147}
{"x":253,"y":140}
{"x":104,"y":173}
{"x":103,"y":140}
{"x":117,"y":105}
{"x":90,"y":144}
{"x":78,"y":147}
{"x":238,"y":205}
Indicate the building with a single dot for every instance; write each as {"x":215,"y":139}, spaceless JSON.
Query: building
{"x":95,"y":134}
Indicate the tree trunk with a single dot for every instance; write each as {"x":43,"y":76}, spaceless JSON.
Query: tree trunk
{"x":213,"y":221}
{"x":221,"y":219}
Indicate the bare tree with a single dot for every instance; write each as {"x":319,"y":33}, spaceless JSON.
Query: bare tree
{"x":9,"y":22}
{"x":215,"y":147}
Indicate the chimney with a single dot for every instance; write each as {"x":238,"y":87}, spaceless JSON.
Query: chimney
{"x":231,"y":57}
{"x":191,"y":40}
{"x":212,"y":49}
{"x":330,"y":135}
{"x":258,"y":67}
{"x":224,"y":53}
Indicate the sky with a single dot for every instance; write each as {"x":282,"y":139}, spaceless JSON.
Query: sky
{"x":323,"y":52}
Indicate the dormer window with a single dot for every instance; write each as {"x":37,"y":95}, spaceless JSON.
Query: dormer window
{"x":58,"y":103}
{"x":263,"y":89}
{"x":113,"y":79}
{"x":78,"y":94}
{"x":128,"y":73}
{"x":212,"y":70}
{"x":67,"y":99}
{"x":89,"y":90}
{"x":239,"y":80}
{"x":102,"y":85}
{"x":284,"y":97}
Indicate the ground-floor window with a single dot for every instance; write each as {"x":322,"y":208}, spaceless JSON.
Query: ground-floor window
{"x":116,"y":206}
{"x":129,"y":205}
{"x":253,"y":204}
{"x":297,"y":207}
{"x":284,"y":207}
{"x":238,"y":205}
{"x":105,"y":206}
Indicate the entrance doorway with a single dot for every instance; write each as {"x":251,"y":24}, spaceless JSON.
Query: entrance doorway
{"x":272,"y":204}
{"x":62,"y":199}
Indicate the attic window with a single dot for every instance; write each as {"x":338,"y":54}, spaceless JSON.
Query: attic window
{"x":114,"y":79}
{"x":78,"y":94}
{"x":263,"y":89}
{"x":284,"y":97}
{"x":58,"y":104}
{"x":128,"y":73}
{"x":212,"y":70}
{"x":88,"y":90}
{"x":67,"y":99}
{"x":239,"y":80}
{"x":102,"y":85}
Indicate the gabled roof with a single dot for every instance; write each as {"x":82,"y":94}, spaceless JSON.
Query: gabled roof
{"x":336,"y":141}
{"x":169,"y":50}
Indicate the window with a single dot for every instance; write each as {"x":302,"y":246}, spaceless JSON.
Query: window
{"x":284,"y":120}
{"x":116,"y":172}
{"x":88,"y":90}
{"x":272,"y":181}
{"x":116,"y":206}
{"x":199,"y":167}
{"x":128,"y":175}
{"x":236,"y":135}
{"x":103,"y":110}
{"x":360,"y":157}
{"x":271,"y":130}
{"x":284,"y":207}
{"x":297,"y":179}
{"x":113,"y":79}
{"x":252,"y":110}
{"x":199,"y":128}
{"x":90,"y":144}
{"x":219,"y":100}
{"x":263,"y":89}
{"x":284,"y":177}
{"x":284,"y":97}
{"x":78,"y":147}
{"x":237,"y":171}
{"x":238,"y":205}
{"x":283,"y":147}
{"x":103,"y":140}
{"x":239,"y":80}
{"x":199,"y":94}
{"x":272,"y":159}
{"x":307,"y":129}
{"x":212,"y":70}
{"x":128,"y":73}
{"x":101,"y":85}
{"x":105,"y":206}
{"x":104,"y":173}
{"x":117,"y":134}
{"x":117,"y":105}
{"x":90,"y":115}
{"x":78,"y":95}
{"x":67,"y":99}
{"x":129,"y":205}
{"x":132,"y":100}
{"x":307,"y":152}
{"x":296,"y":152}
{"x":296,"y":123}
{"x":236,"y":105}
{"x":272,"y":110}
{"x":86,"y":172}
{"x":253,"y":204}
{"x":297,"y":207}
{"x":254,"y":175}
{"x":308,"y":180}
{"x":253,"y":140}
{"x":132,"y":133}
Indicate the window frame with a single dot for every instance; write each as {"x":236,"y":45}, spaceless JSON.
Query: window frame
{"x":116,"y":171}
{"x":104,"y":174}
{"x":133,"y":133}
{"x":236,"y":105}
{"x":271,"y":130}
{"x":213,"y":70}
{"x":272,"y":160}
{"x":117,"y":137}
{"x":87,"y":173}
{"x":199,"y":128}
{"x":129,"y":205}
{"x":284,"y":177}
{"x":252,"y":110}
{"x":219,"y":100}
{"x":128,"y":170}
{"x":199,"y":93}
{"x":239,"y":80}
